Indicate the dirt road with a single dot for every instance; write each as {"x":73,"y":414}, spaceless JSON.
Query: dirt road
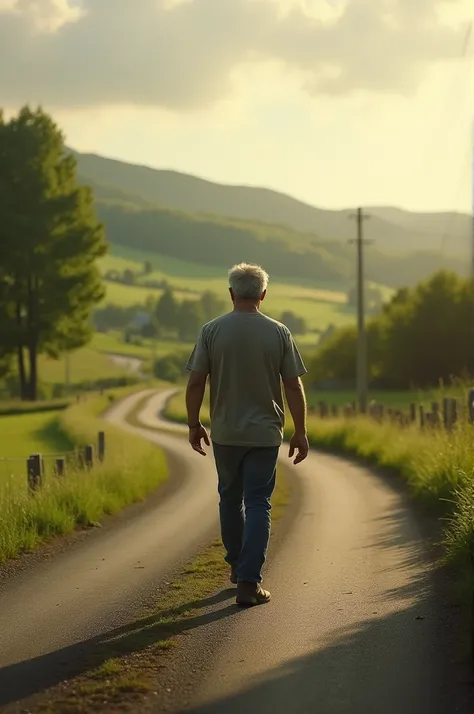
{"x":358,"y":624}
{"x":55,"y":614}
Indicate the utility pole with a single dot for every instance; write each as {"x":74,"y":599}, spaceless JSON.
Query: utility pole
{"x":67,"y":371}
{"x":361,"y":383}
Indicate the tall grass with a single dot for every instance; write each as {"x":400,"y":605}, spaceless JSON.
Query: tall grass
{"x":132,"y":469}
{"x":437,"y":465}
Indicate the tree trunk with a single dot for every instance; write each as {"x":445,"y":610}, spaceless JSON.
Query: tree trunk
{"x":32,"y":339}
{"x":22,"y":372}
{"x":33,"y":377}
{"x":21,"y":355}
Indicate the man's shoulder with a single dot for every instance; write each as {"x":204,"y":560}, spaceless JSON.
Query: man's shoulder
{"x":216,"y":322}
{"x":277,"y":325}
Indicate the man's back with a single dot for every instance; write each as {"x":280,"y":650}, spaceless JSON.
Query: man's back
{"x":246,"y":354}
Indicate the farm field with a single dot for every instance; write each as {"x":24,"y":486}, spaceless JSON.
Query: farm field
{"x":84,"y":364}
{"x":319,"y":306}
{"x":112,"y":342}
{"x":304,"y":302}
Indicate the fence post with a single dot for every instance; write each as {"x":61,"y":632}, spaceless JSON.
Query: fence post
{"x":34,"y":466}
{"x":447,"y":413}
{"x":454,"y":412}
{"x":470,"y":406}
{"x":413,"y":412}
{"x":89,"y":456}
{"x":101,"y":446}
{"x":60,"y":469}
{"x":422,"y":416}
{"x":323,"y":410}
{"x":334,"y":410}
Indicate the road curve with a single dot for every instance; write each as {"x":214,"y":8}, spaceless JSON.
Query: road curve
{"x":54,"y":613}
{"x":357,"y":624}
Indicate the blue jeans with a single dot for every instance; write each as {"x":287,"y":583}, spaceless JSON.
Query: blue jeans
{"x":246,"y":483}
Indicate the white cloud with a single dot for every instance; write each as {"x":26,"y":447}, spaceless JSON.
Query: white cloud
{"x":183,"y":54}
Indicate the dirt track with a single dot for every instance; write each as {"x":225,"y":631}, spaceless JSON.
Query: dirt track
{"x":357,"y":625}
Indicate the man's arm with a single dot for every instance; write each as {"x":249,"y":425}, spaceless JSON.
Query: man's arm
{"x":296,"y":399}
{"x":194,"y":396}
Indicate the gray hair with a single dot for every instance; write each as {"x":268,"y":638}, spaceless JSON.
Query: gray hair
{"x":248,"y":281}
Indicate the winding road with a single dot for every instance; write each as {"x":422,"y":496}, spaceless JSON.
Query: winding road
{"x":359,"y":623}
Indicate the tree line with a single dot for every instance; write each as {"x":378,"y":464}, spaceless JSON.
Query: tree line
{"x":171,"y":318}
{"x":285,"y":253}
{"x":49,"y":244}
{"x":423,"y":335}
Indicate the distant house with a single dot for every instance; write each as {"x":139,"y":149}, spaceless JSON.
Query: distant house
{"x":140,"y":320}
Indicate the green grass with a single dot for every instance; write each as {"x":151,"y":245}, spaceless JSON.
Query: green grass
{"x":86,"y":364}
{"x":437,"y":465}
{"x":15,"y":406}
{"x":25,"y":434}
{"x":399,"y":400}
{"x":320,"y":304}
{"x":112,"y":342}
{"x":132,"y":469}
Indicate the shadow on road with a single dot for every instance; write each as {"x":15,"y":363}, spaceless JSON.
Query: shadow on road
{"x":381,"y":666}
{"x":25,"y":679}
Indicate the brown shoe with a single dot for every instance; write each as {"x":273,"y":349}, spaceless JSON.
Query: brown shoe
{"x":250,"y":594}
{"x":233,"y":575}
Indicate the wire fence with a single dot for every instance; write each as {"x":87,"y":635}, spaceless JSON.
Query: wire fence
{"x":445,"y":414}
{"x":37,"y":467}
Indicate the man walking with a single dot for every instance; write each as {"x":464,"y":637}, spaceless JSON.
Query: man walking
{"x":246,"y":356}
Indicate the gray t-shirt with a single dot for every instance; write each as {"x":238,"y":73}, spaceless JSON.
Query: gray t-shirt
{"x":246,"y":356}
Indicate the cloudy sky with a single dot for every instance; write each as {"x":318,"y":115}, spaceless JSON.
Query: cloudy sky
{"x":337,"y":102}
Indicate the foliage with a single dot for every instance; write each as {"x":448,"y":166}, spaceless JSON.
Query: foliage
{"x":285,"y":253}
{"x":423,"y":336}
{"x":50,"y":240}
{"x":297,"y":325}
{"x":171,"y":367}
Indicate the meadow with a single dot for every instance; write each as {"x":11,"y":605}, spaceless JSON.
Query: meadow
{"x":319,"y":305}
{"x":132,"y":468}
{"x":85,"y":364}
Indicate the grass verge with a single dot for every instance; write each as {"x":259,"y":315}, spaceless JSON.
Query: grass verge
{"x":437,"y":465}
{"x":124,"y":667}
{"x":132,"y":469}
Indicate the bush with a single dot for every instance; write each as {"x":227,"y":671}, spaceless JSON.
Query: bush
{"x":170,"y":367}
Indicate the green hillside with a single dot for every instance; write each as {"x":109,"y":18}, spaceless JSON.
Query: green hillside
{"x":395,"y":231}
{"x":288,"y":255}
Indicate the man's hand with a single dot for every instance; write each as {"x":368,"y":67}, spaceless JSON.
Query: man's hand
{"x":196,"y":435}
{"x":299,"y":443}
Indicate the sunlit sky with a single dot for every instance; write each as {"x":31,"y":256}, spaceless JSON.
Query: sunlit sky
{"x":364,"y":102}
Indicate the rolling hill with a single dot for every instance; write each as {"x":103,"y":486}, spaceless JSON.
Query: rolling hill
{"x":395,"y":231}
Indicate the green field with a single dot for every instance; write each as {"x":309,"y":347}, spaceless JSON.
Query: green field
{"x":320,"y":305}
{"x":113,"y":343}
{"x":25,"y":434}
{"x":132,"y":469}
{"x":85,"y":364}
